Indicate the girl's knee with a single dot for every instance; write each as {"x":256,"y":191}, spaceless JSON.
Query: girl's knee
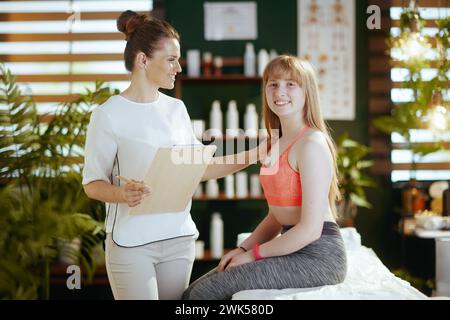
{"x":186,"y":294}
{"x":194,"y":293}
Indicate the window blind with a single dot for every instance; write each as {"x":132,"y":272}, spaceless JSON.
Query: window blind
{"x":386,"y":75}
{"x":56,"y":49}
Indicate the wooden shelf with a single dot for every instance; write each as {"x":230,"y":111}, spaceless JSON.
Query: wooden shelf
{"x":229,"y":138}
{"x":227,"y":61}
{"x":222,"y":197}
{"x":225,"y":78}
{"x":222,"y":78}
{"x":207,"y":255}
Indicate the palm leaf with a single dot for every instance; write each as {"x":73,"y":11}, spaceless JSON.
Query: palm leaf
{"x":351,"y":165}
{"x":18,"y":121}
{"x":40,"y":201}
{"x":360,"y":201}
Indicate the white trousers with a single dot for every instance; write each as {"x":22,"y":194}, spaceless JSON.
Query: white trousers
{"x":158,"y":270}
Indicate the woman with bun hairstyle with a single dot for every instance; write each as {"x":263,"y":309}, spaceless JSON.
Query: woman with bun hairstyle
{"x":148,"y":256}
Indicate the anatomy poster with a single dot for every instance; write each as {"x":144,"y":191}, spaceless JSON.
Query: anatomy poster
{"x":326,"y":38}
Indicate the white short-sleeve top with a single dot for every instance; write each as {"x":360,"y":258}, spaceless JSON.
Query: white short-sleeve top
{"x":122,"y":139}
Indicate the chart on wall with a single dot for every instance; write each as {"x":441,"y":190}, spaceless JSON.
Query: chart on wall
{"x":326,"y":38}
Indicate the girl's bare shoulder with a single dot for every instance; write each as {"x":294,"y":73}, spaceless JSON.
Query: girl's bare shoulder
{"x":312,"y":139}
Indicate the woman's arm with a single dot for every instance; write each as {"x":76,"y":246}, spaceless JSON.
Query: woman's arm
{"x":266,"y":230}
{"x":223,"y":166}
{"x":315,"y":167}
{"x":131,"y":193}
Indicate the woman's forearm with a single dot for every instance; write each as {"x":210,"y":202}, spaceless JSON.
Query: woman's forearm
{"x":104,"y":191}
{"x":293,"y":240}
{"x":266,"y":230}
{"x":223,"y":166}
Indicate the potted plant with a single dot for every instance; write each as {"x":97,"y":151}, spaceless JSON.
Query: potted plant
{"x":426,"y":110}
{"x":41,"y":197}
{"x":352,"y":178}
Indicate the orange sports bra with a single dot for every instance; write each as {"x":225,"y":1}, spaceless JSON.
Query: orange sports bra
{"x":281,"y":183}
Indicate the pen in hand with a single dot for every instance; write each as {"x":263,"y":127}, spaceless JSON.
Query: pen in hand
{"x":127,"y":180}
{"x":133,"y":192}
{"x":146,"y":189}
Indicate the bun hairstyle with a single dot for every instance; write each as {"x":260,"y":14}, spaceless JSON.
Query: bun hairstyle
{"x":128,"y":21}
{"x":142,"y":34}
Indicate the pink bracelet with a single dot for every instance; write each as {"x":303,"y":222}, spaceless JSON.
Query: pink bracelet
{"x":255,"y":251}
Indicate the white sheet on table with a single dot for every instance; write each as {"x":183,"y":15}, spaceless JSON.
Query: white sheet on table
{"x":367,"y":279}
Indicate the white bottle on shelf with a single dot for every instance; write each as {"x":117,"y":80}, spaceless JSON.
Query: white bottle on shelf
{"x":241,"y":185}
{"x":263,"y":60}
{"x":212,"y":188}
{"x":199,"y":249}
{"x":193,"y":63}
{"x":215,"y":120}
{"x":263,"y":131}
{"x":251,"y":121}
{"x":273,"y":54}
{"x":229,"y":186}
{"x":249,"y":60}
{"x":232,"y":120}
{"x":255,"y":186}
{"x":216,"y":236}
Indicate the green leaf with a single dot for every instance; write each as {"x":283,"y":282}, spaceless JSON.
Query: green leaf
{"x":423,"y":150}
{"x":360,"y":201}
{"x":351,"y":166}
{"x":40,"y":202}
{"x":364,"y":164}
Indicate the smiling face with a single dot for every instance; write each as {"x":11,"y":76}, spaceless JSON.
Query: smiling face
{"x":162,"y":68}
{"x":285,"y":97}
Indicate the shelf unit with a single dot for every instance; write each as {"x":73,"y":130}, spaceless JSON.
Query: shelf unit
{"x":207,"y":255}
{"x":230,"y":79}
{"x":223,"y":197}
{"x":224,"y":77}
{"x":226,"y":138}
{"x":227,"y":62}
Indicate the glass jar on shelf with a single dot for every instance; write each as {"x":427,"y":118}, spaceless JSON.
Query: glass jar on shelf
{"x":413,"y":198}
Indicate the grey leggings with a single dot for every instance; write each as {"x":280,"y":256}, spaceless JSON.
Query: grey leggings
{"x":322,"y":262}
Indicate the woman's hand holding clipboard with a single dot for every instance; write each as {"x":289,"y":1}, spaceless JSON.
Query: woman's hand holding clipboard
{"x":173,"y":175}
{"x":134,"y":191}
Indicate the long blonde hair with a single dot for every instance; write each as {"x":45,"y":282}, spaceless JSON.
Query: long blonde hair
{"x":302,"y":72}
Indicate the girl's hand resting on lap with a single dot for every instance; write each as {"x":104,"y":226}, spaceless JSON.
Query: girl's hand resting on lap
{"x":239,"y":259}
{"x":234,"y":258}
{"x":227,"y":258}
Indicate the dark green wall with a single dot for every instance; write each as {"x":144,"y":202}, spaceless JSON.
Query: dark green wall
{"x":277,"y":29}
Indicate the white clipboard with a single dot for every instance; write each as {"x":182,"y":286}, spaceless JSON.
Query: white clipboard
{"x":173,"y":176}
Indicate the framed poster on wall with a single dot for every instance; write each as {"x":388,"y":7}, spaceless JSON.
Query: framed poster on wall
{"x":326,"y":38}
{"x":230,"y":20}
